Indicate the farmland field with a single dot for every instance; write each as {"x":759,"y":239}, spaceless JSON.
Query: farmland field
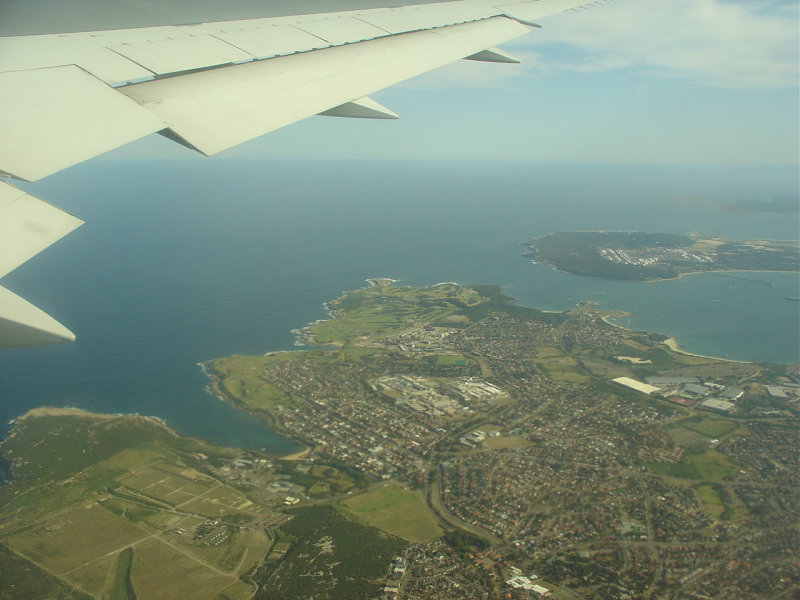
{"x":161,"y":571}
{"x":114,"y":521}
{"x":75,"y":537}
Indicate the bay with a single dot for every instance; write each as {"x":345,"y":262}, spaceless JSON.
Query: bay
{"x":184,"y":261}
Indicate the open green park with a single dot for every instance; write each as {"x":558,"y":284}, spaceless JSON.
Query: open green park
{"x":394,"y":509}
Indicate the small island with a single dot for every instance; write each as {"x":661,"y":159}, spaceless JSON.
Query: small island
{"x":641,"y":256}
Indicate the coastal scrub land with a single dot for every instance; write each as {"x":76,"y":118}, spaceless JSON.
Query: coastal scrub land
{"x":456,"y":446}
{"x":642,"y":256}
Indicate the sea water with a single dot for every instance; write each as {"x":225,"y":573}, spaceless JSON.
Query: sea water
{"x":184,"y":261}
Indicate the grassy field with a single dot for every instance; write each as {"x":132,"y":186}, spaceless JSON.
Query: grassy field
{"x":501,"y":443}
{"x":695,"y":434}
{"x":686,"y":438}
{"x":95,"y":577}
{"x":712,"y":500}
{"x":75,"y":537}
{"x":161,"y":571}
{"x":558,"y":361}
{"x":350,"y":351}
{"x":564,"y":374}
{"x":452,"y":360}
{"x":720,"y":505}
{"x":165,"y":486}
{"x":693,"y":361}
{"x":547,"y":352}
{"x":605,"y":369}
{"x":208,"y":507}
{"x":239,"y":378}
{"x":385,"y":310}
{"x":395,"y":509}
{"x":236,"y":591}
{"x":708,"y":466}
{"x":712,"y":427}
{"x":254,"y":550}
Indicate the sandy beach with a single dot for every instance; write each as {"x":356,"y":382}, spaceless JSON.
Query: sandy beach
{"x":673,"y":345}
{"x":297,"y":455}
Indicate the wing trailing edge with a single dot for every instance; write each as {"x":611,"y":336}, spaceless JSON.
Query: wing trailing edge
{"x":217,"y":109}
{"x":28,"y":226}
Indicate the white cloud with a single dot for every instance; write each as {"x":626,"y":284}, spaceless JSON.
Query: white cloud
{"x":723,"y":44}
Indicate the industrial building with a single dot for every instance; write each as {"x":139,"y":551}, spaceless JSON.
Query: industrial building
{"x":639,"y":386}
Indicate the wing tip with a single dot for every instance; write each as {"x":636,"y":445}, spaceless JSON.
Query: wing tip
{"x":22,"y":324}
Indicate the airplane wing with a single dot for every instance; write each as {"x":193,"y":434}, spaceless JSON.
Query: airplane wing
{"x":27,"y":226}
{"x":66,"y":98}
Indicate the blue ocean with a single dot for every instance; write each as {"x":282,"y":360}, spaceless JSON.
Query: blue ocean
{"x":184,"y":261}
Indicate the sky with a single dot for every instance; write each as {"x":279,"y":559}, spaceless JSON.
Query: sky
{"x":639,"y":82}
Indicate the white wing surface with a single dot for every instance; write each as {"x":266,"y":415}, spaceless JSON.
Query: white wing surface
{"x":65,"y":98}
{"x":28,"y":226}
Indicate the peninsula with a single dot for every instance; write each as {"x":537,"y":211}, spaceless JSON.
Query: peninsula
{"x":641,"y":256}
{"x":457,"y":446}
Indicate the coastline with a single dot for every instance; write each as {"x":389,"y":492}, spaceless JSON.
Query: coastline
{"x":593,"y":248}
{"x":69,"y":411}
{"x":680,"y":275}
{"x":672,"y":343}
{"x":305,"y":339}
{"x":302,"y":339}
{"x":216,"y":390}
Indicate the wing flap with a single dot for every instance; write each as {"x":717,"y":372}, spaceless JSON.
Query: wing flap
{"x":217,"y":109}
{"x":28,"y":226}
{"x":57,"y":117}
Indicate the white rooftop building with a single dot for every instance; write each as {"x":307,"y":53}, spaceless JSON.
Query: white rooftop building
{"x":639,"y":386}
